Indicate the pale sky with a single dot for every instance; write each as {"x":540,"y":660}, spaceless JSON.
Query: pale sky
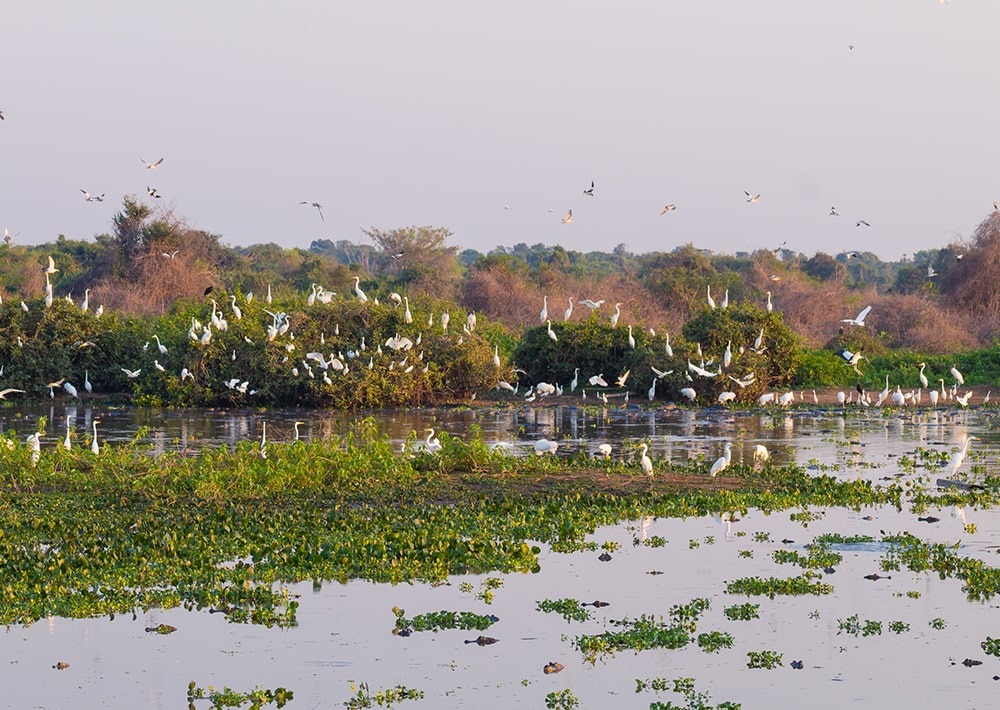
{"x":442,"y":113}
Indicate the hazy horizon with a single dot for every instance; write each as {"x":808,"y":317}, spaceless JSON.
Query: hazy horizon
{"x":445,"y":113}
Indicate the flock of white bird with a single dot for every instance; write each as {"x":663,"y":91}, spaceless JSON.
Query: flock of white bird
{"x":396,"y":345}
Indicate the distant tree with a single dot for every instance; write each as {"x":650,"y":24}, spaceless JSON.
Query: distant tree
{"x":419,"y":256}
{"x":823,"y":267}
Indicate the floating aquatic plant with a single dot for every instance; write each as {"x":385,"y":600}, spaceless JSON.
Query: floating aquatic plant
{"x":569,"y":609}
{"x":229,"y":698}
{"x":763,"y":659}
{"x":364,"y":698}
{"x":438,"y":620}
{"x":742,"y":612}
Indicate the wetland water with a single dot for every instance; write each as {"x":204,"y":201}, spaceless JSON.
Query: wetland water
{"x":344,"y":630}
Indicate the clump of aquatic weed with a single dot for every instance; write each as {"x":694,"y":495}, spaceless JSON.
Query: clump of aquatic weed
{"x":569,"y":609}
{"x":438,"y":620}
{"x":645,"y":632}
{"x":773,"y":586}
{"x":768,"y":660}
{"x":562,"y":700}
{"x":693,"y":699}
{"x":364,"y":698}
{"x":229,"y":698}
{"x":742,"y":612}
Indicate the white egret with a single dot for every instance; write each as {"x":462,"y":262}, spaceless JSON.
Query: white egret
{"x":592,"y":305}
{"x":760,"y":454}
{"x":445,"y":319}
{"x":262,"y":451}
{"x":923,"y":377}
{"x":722,"y":462}
{"x":432,"y":443}
{"x":544,"y":313}
{"x":666,"y":346}
{"x":957,"y":375}
{"x":959,"y":456}
{"x":86,"y":382}
{"x":34,"y":441}
{"x":725,"y":300}
{"x":357,"y":290}
{"x":598,"y":380}
{"x":617,"y":314}
{"x":575,"y":380}
{"x":631,"y":340}
{"x":569,"y":311}
{"x":85,"y":304}
{"x":552,"y":333}
{"x":9,"y":390}
{"x":162,"y":348}
{"x":726,"y":397}
{"x":858,"y":319}
{"x":66,"y":442}
{"x":645,"y":461}
{"x":51,"y":268}
{"x":711,"y":301}
{"x":94,"y":446}
{"x":237,"y":313}
{"x":131,"y":374}
{"x":70,"y":389}
{"x":933,"y":394}
{"x":727,"y":357}
{"x":605,"y":450}
{"x":544,"y":446}
{"x":496,"y":355}
{"x":651,"y":392}
{"x":689,"y":393}
{"x":769,"y":307}
{"x":297,"y":425}
{"x":964,"y":399}
{"x":620,"y":382}
{"x":407,"y":316}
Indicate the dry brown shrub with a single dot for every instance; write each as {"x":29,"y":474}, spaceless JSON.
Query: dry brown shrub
{"x":972,"y":285}
{"x":914,"y":322}
{"x":156,"y":283}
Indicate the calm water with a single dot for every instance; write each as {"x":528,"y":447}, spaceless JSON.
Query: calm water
{"x":344,"y":630}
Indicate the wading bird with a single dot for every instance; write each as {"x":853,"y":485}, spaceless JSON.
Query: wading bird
{"x":645,"y":461}
{"x":722,"y":462}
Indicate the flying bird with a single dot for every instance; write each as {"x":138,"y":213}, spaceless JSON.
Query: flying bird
{"x":861,"y":222}
{"x":2,"y":116}
{"x":668,"y":208}
{"x":858,"y":319}
{"x":152,"y":192}
{"x":171,"y":255}
{"x":151,"y":166}
{"x":751,"y":198}
{"x":9,"y":390}
{"x":92,"y":198}
{"x":51,"y":268}
{"x":931,"y":273}
{"x":568,"y":219}
{"x":318,"y":206}
{"x":590,"y":191}
{"x":834,"y":212}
